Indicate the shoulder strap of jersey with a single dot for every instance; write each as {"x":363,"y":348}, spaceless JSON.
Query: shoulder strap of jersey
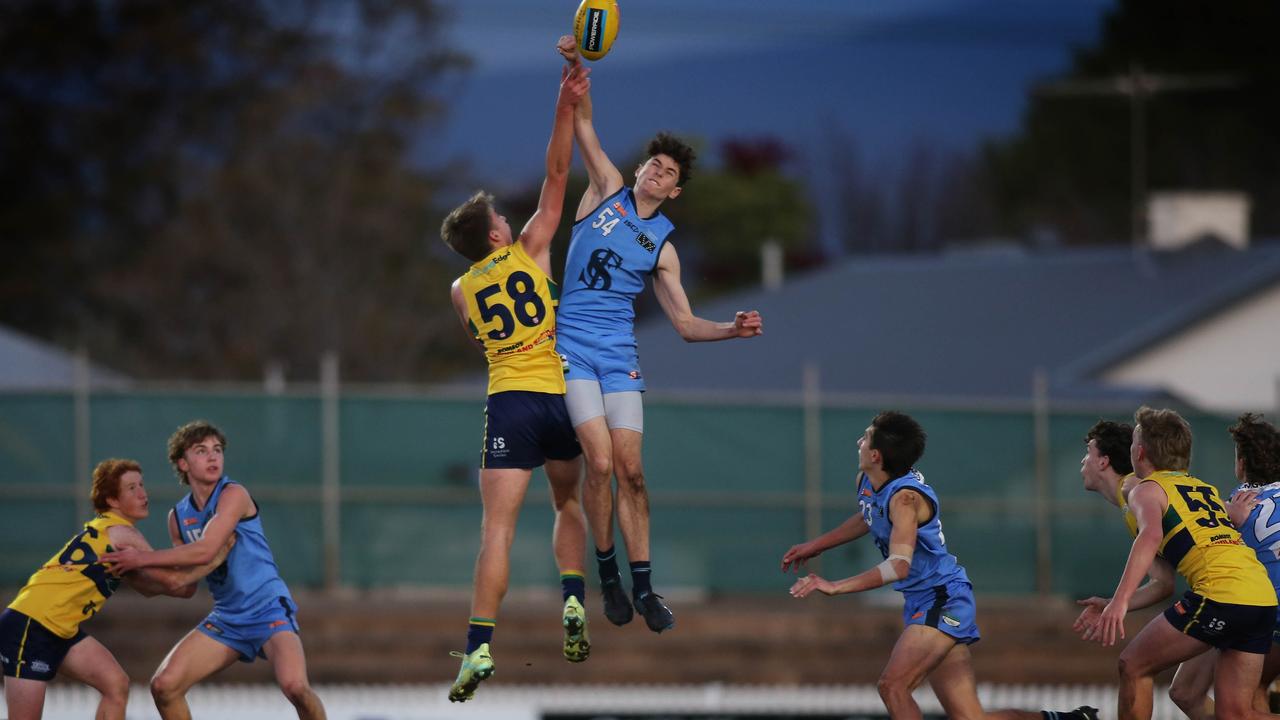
{"x":596,"y":209}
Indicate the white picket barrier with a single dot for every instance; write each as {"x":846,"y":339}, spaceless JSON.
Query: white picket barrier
{"x":531,"y":702}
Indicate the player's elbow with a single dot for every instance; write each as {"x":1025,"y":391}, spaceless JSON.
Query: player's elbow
{"x":182,"y":590}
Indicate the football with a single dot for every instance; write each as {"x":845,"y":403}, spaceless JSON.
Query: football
{"x":595,"y":26}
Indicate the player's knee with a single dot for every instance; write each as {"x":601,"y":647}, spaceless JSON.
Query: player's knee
{"x":599,"y":469}
{"x":891,"y":689}
{"x":165,"y":688}
{"x":631,"y":475}
{"x":1183,"y":698}
{"x":1129,"y":670}
{"x":115,"y":689}
{"x":297,"y":690}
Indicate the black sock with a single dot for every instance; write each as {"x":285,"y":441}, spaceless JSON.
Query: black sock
{"x":479,"y":631}
{"x":607,"y":562}
{"x":572,"y":584}
{"x":640,"y":579}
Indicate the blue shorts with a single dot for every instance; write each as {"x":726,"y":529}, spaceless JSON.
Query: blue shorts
{"x":610,"y":360}
{"x":525,"y":429}
{"x":248,"y":638}
{"x":28,"y":650}
{"x":949,"y":608}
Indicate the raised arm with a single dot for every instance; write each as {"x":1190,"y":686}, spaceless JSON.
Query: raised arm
{"x":537,"y":233}
{"x":603,"y":177}
{"x":675,"y":303}
{"x":157,"y":580}
{"x":233,"y":505}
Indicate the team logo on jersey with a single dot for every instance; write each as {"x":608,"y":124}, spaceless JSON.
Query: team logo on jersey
{"x":634,"y":374}
{"x":596,"y":275}
{"x":643,"y":241}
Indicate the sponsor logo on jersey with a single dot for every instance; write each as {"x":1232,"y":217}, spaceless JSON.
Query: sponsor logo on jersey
{"x":190,"y":521}
{"x":40,"y":666}
{"x":277,"y":624}
{"x":643,"y":241}
{"x":919,"y":614}
{"x":634,"y":374}
{"x":490,"y":265}
{"x":595,"y":276}
{"x":950,"y":620}
{"x":212,"y":628}
{"x":1179,"y":608}
{"x":621,"y":210}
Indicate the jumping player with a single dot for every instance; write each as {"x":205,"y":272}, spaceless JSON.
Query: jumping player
{"x":40,"y":633}
{"x":619,"y":239}
{"x":506,"y":302}
{"x":900,"y":512}
{"x":253,"y":613}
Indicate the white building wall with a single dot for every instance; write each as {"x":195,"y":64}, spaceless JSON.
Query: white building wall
{"x":1229,"y":362}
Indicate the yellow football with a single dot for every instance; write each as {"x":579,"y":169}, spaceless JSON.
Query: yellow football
{"x":595,"y":25}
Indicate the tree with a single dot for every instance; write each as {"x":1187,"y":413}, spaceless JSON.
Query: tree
{"x":195,"y":189}
{"x":1069,"y":168}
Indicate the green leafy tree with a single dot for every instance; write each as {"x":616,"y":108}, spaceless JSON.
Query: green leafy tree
{"x":195,"y":189}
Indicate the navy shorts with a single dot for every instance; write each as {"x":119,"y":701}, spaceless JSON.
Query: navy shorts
{"x":949,"y":608}
{"x":28,"y":650}
{"x":525,"y":429}
{"x":1226,"y":626}
{"x":248,"y":638}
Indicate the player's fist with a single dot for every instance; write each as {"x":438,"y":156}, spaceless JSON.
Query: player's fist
{"x":568,"y":49}
{"x":748,"y":324}
{"x":574,"y":84}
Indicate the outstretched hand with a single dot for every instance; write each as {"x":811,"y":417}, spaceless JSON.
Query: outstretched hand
{"x":810,"y":583}
{"x":748,"y":324}
{"x":574,"y":84}
{"x":1086,"y":626}
{"x":797,"y":557}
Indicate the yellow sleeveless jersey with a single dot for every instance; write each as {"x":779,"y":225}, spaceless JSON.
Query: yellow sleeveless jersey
{"x":511,"y":309}
{"x":1201,"y":543}
{"x":73,"y":585}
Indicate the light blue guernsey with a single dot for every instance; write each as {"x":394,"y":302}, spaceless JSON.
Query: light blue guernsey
{"x":612,"y":252}
{"x":1261,"y":530}
{"x":931,"y":564}
{"x":248,"y":583}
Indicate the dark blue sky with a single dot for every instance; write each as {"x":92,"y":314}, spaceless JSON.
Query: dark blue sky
{"x":888,"y":73}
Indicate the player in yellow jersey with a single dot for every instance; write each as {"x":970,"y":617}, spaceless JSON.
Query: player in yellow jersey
{"x":1231,"y":604}
{"x":506,"y":301}
{"x":40,"y":633}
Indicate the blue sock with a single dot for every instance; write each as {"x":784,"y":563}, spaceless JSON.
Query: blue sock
{"x":573,"y":584}
{"x":479,"y":632}
{"x":640,"y":579}
{"x":607,"y":561}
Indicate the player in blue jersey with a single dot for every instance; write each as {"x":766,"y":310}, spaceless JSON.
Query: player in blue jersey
{"x":1252,"y":509}
{"x":253,"y":613}
{"x":620,"y":240}
{"x":900,"y":512}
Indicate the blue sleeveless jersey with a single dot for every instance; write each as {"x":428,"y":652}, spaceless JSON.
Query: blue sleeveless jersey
{"x":612,"y":251}
{"x":1261,"y":530}
{"x":248,"y":583}
{"x":931,"y":564}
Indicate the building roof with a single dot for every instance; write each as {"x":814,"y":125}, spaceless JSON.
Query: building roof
{"x":30,"y":364}
{"x":961,"y":325}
